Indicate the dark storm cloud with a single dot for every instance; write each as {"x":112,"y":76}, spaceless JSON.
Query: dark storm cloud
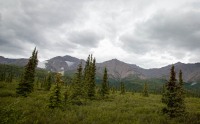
{"x":29,"y":23}
{"x":180,"y":29}
{"x":176,"y":32}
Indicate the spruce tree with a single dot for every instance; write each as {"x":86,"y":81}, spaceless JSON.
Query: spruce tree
{"x":37,"y":83}
{"x":181,"y":93}
{"x":122,"y":88}
{"x":3,"y":73}
{"x":173,"y":96}
{"x":55,"y":98}
{"x":43,"y":82}
{"x":89,"y":77}
{"x":3,"y":76}
{"x":145,"y":90}
{"x":105,"y":88}
{"x":48,"y":82}
{"x":9,"y":77}
{"x":163,"y":89}
{"x":78,"y":92}
{"x":86,"y":76}
{"x":92,"y":84}
{"x":66,"y":95}
{"x":170,"y":96}
{"x":26,"y":85}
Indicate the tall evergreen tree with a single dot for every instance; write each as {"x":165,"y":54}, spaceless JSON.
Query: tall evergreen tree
{"x":78,"y":91}
{"x":48,"y":82}
{"x":3,"y":73}
{"x":55,"y":98}
{"x":89,"y":77}
{"x":3,"y":76}
{"x":9,"y":77}
{"x":86,"y":70}
{"x":26,"y":85}
{"x":105,"y":88}
{"x":43,"y":82}
{"x":37,"y":83}
{"x":86,"y":76}
{"x":181,"y":93}
{"x":172,"y":96}
{"x":91,"y":83}
{"x":145,"y":90}
{"x":122,"y":88}
{"x":163,"y":89}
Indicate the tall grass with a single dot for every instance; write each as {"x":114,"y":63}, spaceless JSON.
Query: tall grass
{"x":116,"y":109}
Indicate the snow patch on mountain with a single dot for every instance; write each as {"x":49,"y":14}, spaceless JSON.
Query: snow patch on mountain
{"x":42,"y":64}
{"x":62,"y":72}
{"x":69,"y":63}
{"x":194,"y":83}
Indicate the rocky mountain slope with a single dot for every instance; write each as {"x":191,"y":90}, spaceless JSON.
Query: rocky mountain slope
{"x":191,"y":72}
{"x":116,"y":69}
{"x":64,"y":63}
{"x":119,"y":70}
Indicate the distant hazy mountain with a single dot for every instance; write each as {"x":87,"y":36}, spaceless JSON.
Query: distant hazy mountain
{"x":119,"y":70}
{"x":19,"y":62}
{"x":191,"y":72}
{"x":116,"y":69}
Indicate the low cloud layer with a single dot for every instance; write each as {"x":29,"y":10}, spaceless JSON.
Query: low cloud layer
{"x":150,"y":33}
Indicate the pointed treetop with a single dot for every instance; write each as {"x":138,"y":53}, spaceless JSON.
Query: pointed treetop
{"x":180,"y":77}
{"x":91,"y":58}
{"x":80,"y":63}
{"x":180,"y":72}
{"x":105,"y":69}
{"x":34,"y":50}
{"x":173,"y":73}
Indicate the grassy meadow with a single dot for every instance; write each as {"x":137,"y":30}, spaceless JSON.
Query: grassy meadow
{"x":130,"y":108}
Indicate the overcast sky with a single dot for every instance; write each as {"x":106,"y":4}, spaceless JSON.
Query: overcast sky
{"x":149,"y":33}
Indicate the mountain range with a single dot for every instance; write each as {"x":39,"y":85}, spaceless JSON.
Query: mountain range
{"x":116,"y":68}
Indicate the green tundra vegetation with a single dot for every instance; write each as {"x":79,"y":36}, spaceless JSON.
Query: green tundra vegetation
{"x":52,"y":98}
